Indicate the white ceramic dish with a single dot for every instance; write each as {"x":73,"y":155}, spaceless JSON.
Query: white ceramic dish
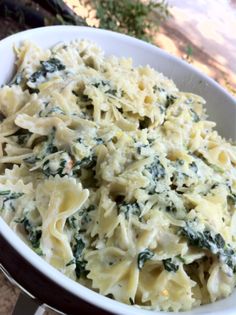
{"x":221,"y":108}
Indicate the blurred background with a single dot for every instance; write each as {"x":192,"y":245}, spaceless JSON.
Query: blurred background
{"x":202,"y":32}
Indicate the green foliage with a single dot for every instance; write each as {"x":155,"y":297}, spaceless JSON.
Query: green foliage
{"x":134,"y":18}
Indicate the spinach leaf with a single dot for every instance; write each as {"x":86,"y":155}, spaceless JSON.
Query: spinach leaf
{"x":71,"y":222}
{"x":4,"y":192}
{"x":99,"y":141}
{"x":170,"y":99}
{"x":214,"y":242}
{"x":79,"y":261}
{"x":48,"y":170}
{"x":141,"y":147}
{"x":107,"y":85}
{"x":205,"y":239}
{"x":85,"y":217}
{"x":12,"y":196}
{"x":169,"y":265}
{"x":156,"y":169}
{"x":78,"y":248}
{"x":143,"y":257}
{"x":80,"y":268}
{"x":34,"y":233}
{"x":35,"y":76}
{"x":49,"y":66}
{"x":87,"y":163}
{"x":52,"y":65}
{"x":129,"y":208}
{"x":9,"y":196}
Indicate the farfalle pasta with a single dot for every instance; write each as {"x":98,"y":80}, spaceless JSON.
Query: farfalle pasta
{"x":117,"y":178}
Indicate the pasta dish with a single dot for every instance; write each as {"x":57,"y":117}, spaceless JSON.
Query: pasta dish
{"x":117,"y":178}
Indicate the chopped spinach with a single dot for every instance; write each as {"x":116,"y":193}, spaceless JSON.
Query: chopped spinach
{"x":129,"y":208}
{"x":87,"y":163}
{"x":35,"y":76}
{"x":34,"y":233}
{"x":141,"y":147}
{"x":50,"y":147}
{"x":193,"y":167}
{"x":85,"y":217}
{"x":12,"y":196}
{"x":157,"y":88}
{"x":71,"y":222}
{"x":71,"y":262}
{"x":52,"y":65}
{"x":79,"y":261}
{"x":156,"y":169}
{"x":4,"y":192}
{"x":220,"y":242}
{"x":203,"y":239}
{"x":51,"y":171}
{"x":78,"y":248}
{"x":99,"y":141}
{"x":106,"y":84}
{"x":49,"y":66}
{"x":89,"y":208}
{"x":194,"y":115}
{"x":9,"y":196}
{"x":169,"y":265}
{"x":143,"y":257}
{"x":170,"y":99}
{"x":208,"y":240}
{"x":80,"y":268}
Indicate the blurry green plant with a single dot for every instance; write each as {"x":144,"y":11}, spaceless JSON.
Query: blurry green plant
{"x":188,"y":53}
{"x":136,"y":18}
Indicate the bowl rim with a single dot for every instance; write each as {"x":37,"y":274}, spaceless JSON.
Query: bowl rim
{"x":24,"y":250}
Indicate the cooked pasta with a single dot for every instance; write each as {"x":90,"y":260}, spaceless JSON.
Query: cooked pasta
{"x":117,"y":178}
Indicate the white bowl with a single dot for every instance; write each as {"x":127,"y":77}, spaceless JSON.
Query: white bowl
{"x":221,"y":108}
